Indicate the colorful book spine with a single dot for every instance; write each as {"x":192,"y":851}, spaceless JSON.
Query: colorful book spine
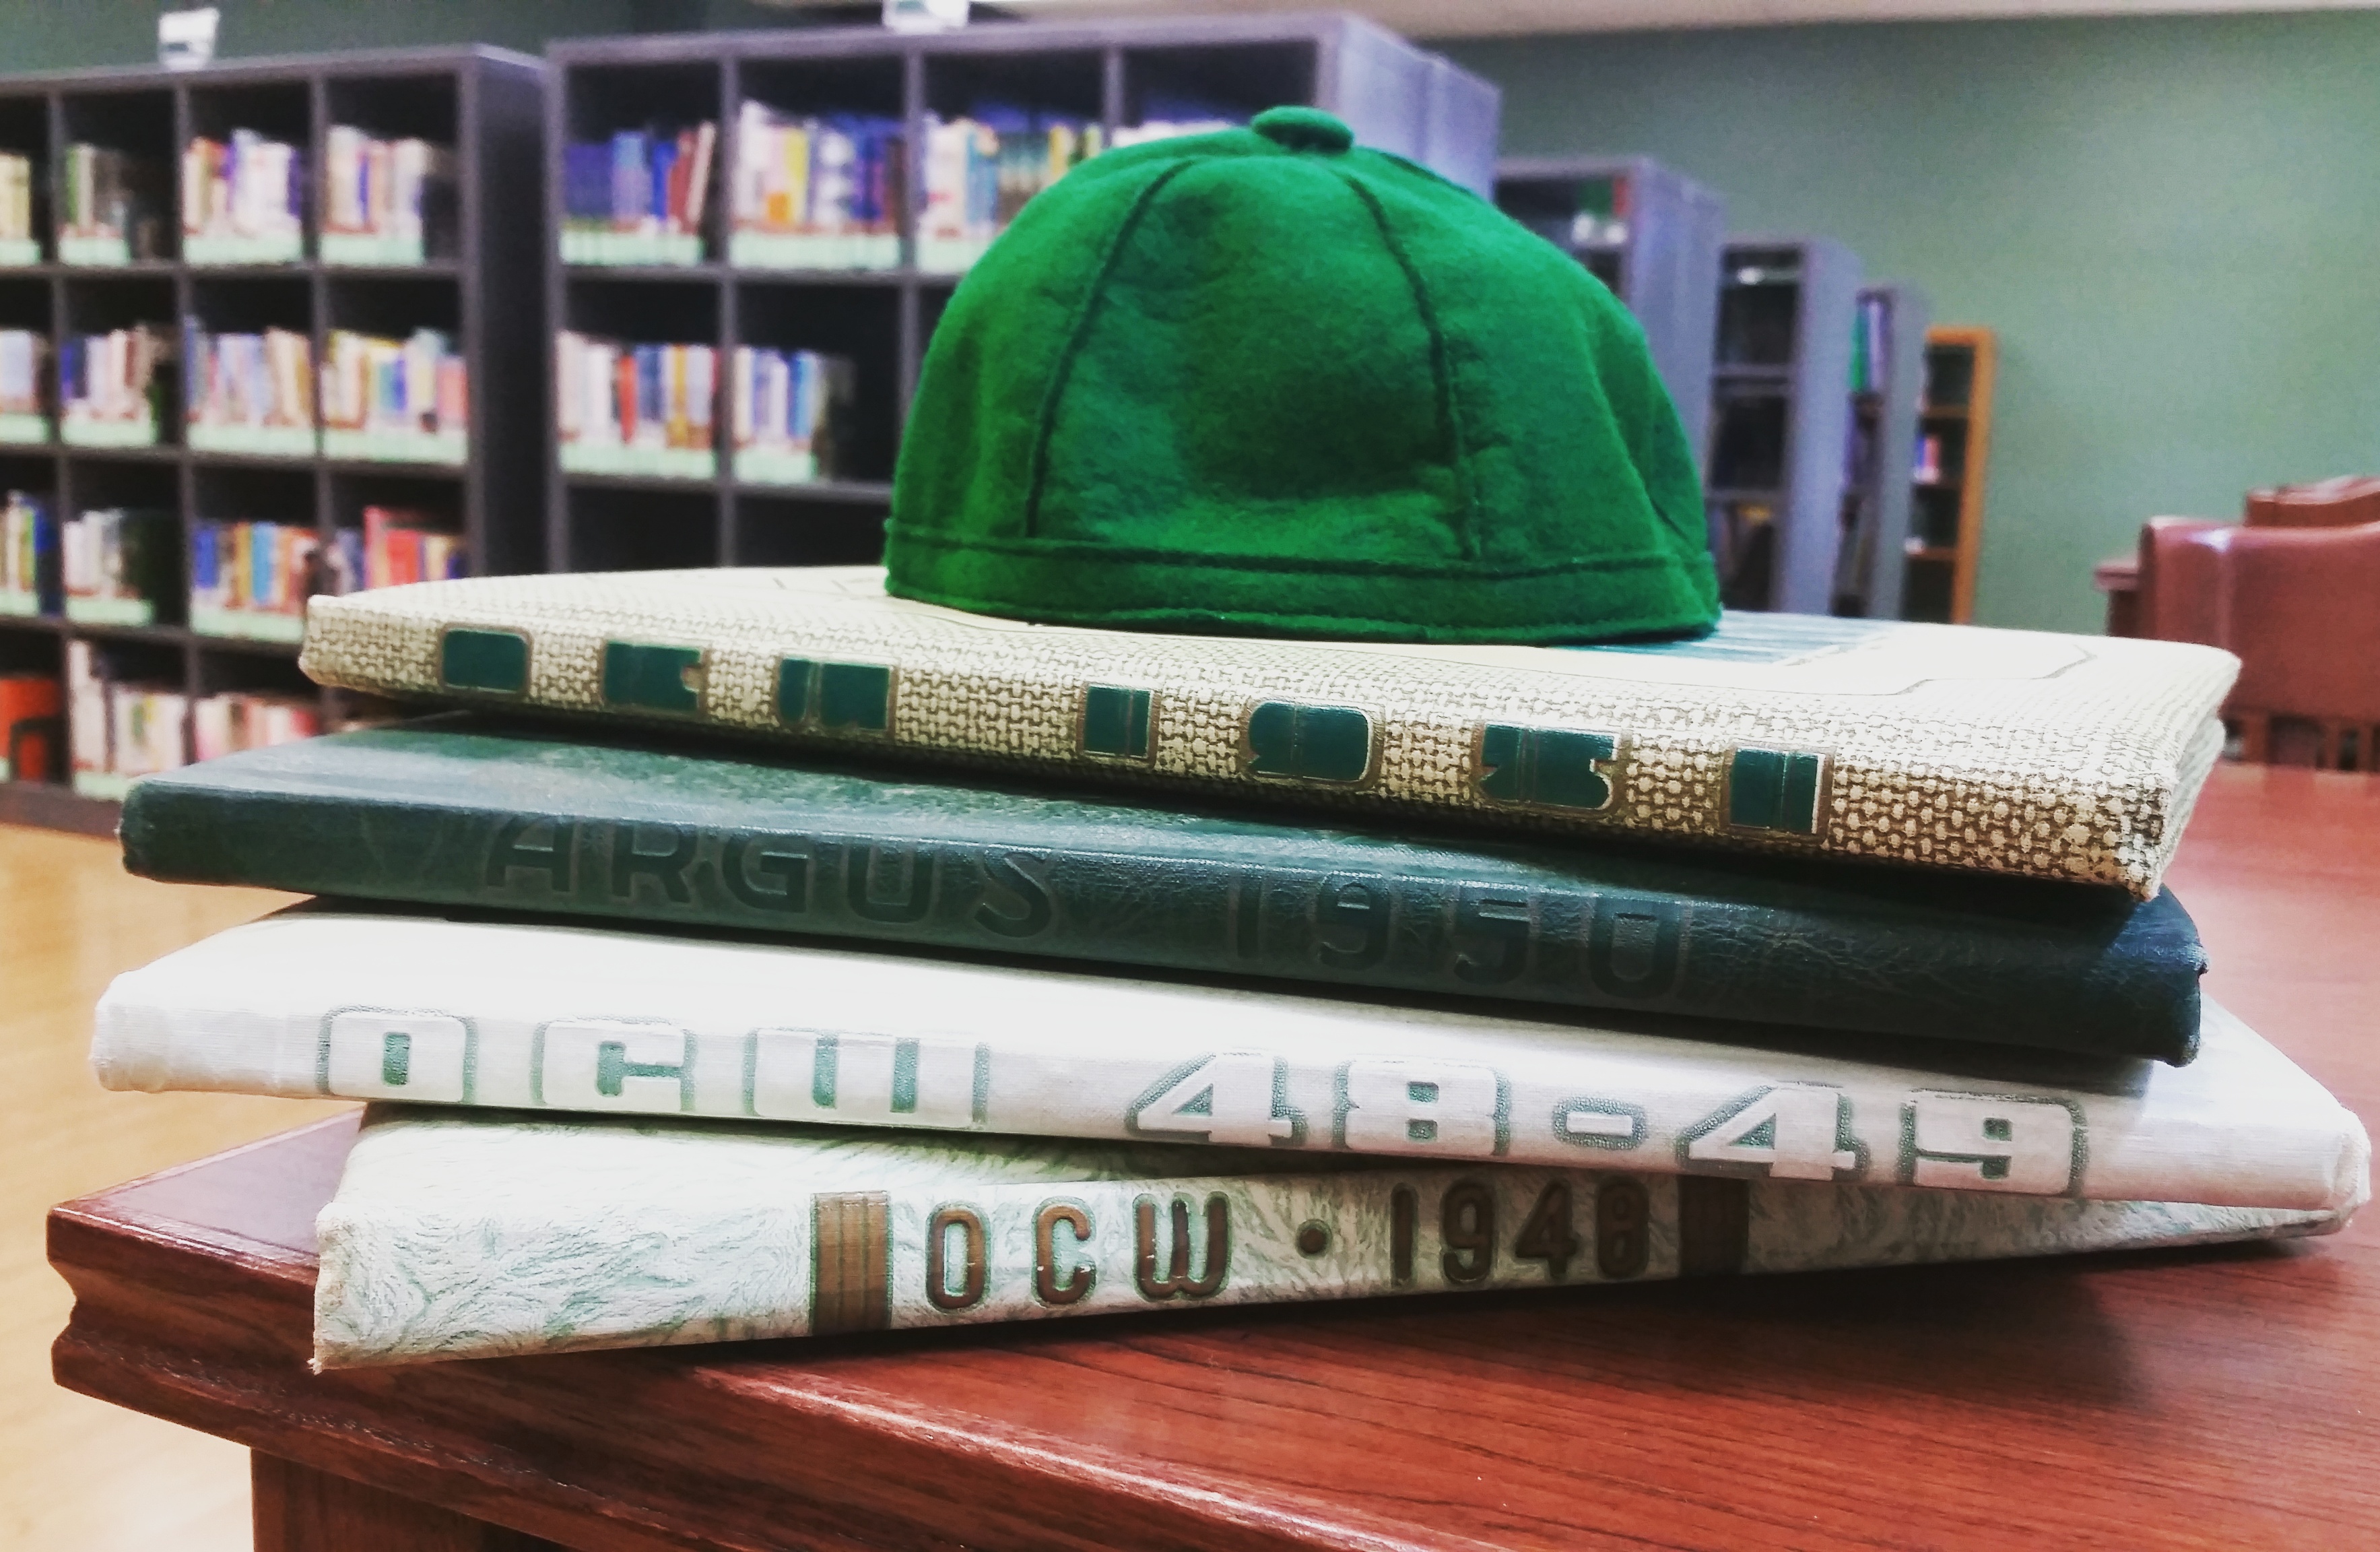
{"x":2062,"y":757}
{"x":382,"y":198}
{"x":108,"y":383}
{"x":117,"y":566}
{"x":817,"y":193}
{"x":519,"y":1235}
{"x":632,"y":408}
{"x":249,"y":392}
{"x":252,"y":579}
{"x":30,"y":580}
{"x":789,"y":411}
{"x":386,"y":397}
{"x":981,"y":170}
{"x":109,"y":207}
{"x":399,"y":547}
{"x":243,"y":200}
{"x":535,"y":1016}
{"x":428,"y":815}
{"x":640,"y":197}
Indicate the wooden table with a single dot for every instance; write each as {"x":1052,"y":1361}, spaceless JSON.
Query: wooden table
{"x":2218,"y":1397}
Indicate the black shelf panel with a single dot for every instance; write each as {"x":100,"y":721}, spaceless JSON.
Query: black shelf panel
{"x":57,"y":808}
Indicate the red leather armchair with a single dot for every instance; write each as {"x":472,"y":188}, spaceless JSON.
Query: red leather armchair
{"x":2301,"y":607}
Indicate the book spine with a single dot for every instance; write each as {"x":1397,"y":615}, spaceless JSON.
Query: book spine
{"x":533,"y":1018}
{"x":783,"y":1262}
{"x":1334,"y":916}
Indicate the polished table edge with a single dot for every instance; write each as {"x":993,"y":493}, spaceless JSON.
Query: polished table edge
{"x":200,"y":1324}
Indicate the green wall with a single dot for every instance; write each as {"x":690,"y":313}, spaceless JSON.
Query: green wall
{"x":2174,"y":224}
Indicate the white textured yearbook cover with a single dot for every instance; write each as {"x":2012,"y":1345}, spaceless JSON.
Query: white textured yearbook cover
{"x":2067,"y":757}
{"x":565,"y":1018}
{"x":459,"y":1234}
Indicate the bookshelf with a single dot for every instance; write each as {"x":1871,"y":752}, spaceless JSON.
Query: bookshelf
{"x":1653,"y":235}
{"x":1888,"y":356}
{"x":477,"y":278}
{"x":680,"y":511}
{"x":1954,"y":418}
{"x":1773,"y":482}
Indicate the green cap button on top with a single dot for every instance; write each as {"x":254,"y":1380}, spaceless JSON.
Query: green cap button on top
{"x":1304,"y":128}
{"x":1269,"y":382}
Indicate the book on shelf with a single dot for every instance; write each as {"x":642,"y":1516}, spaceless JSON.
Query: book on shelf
{"x":29,"y":579}
{"x":1871,"y":345}
{"x":20,"y":243}
{"x":2065,"y":757}
{"x":252,"y":578}
{"x":635,"y":408}
{"x":1927,"y":469}
{"x":119,"y":729}
{"x":243,"y":200}
{"x":402,"y":400}
{"x":400,"y":547}
{"x":1166,"y":118}
{"x":537,"y":1016}
{"x":110,"y":385}
{"x":110,"y":207}
{"x":817,"y":193}
{"x":981,"y":168}
{"x":32,"y":727}
{"x":790,"y":410}
{"x":385,"y":202}
{"x":235,"y":721}
{"x":443,"y":812}
{"x":637,"y":198}
{"x":118,"y":565}
{"x":23,"y":415}
{"x":461,"y":1235}
{"x":248,"y":393}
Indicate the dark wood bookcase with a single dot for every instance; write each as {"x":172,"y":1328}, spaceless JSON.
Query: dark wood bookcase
{"x":1395,"y":96}
{"x":482,"y":286}
{"x":1954,"y":411}
{"x":1780,"y":411}
{"x":1652,"y":235}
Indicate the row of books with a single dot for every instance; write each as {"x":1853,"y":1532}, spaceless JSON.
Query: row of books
{"x":382,"y":396}
{"x":246,"y":576}
{"x":827,"y":191}
{"x":1560,"y":1062}
{"x":109,"y":384}
{"x":253,"y":578}
{"x":385,"y":202}
{"x":110,"y":207}
{"x":790,"y":413}
{"x":638,"y":197}
{"x":817,"y":193}
{"x":982,"y":169}
{"x":623,"y":408}
{"x":120,"y":728}
{"x":243,"y":200}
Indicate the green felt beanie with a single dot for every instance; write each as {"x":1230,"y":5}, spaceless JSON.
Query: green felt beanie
{"x":1261,"y":382}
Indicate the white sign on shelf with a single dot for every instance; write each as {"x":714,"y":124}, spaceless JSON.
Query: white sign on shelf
{"x":185,"y":40}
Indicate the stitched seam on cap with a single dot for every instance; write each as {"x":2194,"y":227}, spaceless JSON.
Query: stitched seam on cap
{"x":1077,"y":337}
{"x":1442,"y":371}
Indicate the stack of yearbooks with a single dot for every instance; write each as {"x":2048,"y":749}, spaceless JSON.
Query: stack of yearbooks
{"x":1002,"y":970}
